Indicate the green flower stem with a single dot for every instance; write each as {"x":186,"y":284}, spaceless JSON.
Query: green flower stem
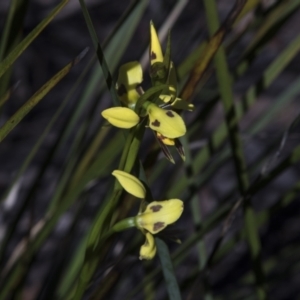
{"x":99,"y":232}
{"x":131,"y":147}
{"x":124,"y":224}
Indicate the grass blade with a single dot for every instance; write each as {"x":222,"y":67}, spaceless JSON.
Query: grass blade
{"x":168,"y":271}
{"x":37,"y":97}
{"x":21,"y":47}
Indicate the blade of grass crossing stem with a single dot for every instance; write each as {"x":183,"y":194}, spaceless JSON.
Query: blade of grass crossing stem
{"x":168,"y":270}
{"x":37,"y":97}
{"x":20,"y":48}
{"x":224,"y":82}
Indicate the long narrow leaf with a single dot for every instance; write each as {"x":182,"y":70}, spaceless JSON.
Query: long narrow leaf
{"x":37,"y":97}
{"x":20,"y":48}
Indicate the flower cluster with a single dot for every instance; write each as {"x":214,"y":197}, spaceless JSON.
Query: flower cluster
{"x":156,"y":216}
{"x":159,"y":103}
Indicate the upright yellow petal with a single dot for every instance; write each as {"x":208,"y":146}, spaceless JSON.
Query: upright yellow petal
{"x":148,"y":250}
{"x":121,"y":117}
{"x":159,"y":214}
{"x":166,"y":122}
{"x":130,"y":183}
{"x":129,"y":81}
{"x":155,"y":47}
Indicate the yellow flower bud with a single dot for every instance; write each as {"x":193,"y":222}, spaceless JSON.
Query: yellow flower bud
{"x":159,"y":214}
{"x":128,"y":83}
{"x":121,"y":117}
{"x":148,"y":250}
{"x":155,"y":47}
{"x":166,"y":122}
{"x":130,"y":183}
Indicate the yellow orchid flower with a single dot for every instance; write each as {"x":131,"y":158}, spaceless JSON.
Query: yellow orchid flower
{"x":154,"y":218}
{"x":166,"y":122}
{"x":159,"y":214}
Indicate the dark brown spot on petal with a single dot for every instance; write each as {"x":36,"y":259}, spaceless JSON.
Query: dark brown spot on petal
{"x":121,"y":90}
{"x":156,"y":123}
{"x":170,"y":114}
{"x":156,"y":208}
{"x":158,"y":225}
{"x":153,"y":55}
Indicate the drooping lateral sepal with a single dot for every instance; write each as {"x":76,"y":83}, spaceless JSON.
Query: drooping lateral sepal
{"x":163,"y":141}
{"x":180,"y":149}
